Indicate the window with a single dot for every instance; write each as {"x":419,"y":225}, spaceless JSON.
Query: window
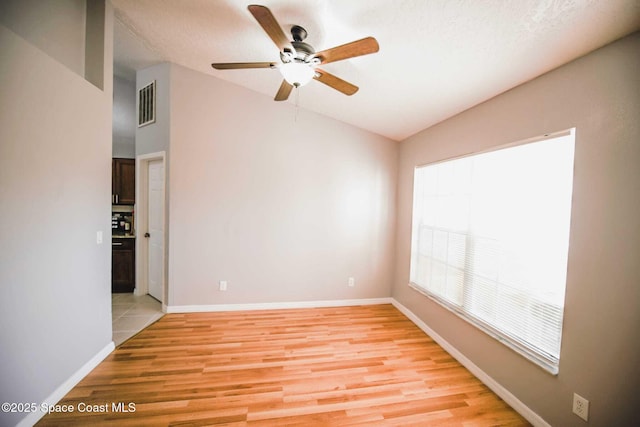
{"x":490,"y":241}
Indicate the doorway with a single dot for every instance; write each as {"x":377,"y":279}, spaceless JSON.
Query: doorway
{"x":150,"y":228}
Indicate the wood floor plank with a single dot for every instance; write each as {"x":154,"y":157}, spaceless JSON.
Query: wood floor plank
{"x":362,"y":365}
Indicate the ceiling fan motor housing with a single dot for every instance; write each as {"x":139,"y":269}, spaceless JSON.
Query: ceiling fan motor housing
{"x":302,"y":52}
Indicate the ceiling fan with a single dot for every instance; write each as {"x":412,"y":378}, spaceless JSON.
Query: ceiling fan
{"x":299,"y":60}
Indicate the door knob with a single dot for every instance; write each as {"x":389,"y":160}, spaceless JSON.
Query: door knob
{"x":147,"y":235}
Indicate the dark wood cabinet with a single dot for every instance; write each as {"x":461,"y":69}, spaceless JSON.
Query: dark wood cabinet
{"x":123,"y":265}
{"x":123,"y":184}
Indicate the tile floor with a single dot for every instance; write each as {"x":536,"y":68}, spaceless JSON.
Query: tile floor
{"x":130,"y":314}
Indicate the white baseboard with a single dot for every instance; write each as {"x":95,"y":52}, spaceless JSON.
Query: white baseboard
{"x":66,"y":387}
{"x":498,"y":389}
{"x":274,"y":305}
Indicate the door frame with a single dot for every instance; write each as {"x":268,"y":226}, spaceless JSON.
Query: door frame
{"x":141,"y":219}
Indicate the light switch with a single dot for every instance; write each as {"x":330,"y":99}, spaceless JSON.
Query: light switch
{"x":99,"y":237}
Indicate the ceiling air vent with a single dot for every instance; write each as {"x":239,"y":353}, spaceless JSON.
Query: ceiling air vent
{"x":147,"y":104}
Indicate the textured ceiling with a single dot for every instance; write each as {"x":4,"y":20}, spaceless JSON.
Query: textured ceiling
{"x":436,"y":59}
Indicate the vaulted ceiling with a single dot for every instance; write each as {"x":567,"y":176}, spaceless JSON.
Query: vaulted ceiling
{"x":437,"y":58}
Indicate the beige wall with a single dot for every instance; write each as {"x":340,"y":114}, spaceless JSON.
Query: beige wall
{"x":124,"y":118}
{"x":283,"y":209}
{"x":55,"y":182}
{"x":598,"y":94}
{"x":56,"y":27}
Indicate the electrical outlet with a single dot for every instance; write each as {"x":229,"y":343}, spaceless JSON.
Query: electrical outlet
{"x":223,"y":285}
{"x":352,"y":282}
{"x":581,"y":406}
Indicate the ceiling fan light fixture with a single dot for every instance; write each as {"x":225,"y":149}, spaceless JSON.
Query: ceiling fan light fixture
{"x":297,"y":73}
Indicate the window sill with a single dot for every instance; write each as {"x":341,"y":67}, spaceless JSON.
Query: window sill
{"x":547,"y":365}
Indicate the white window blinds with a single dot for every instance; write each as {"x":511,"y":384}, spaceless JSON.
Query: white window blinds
{"x":490,"y":241}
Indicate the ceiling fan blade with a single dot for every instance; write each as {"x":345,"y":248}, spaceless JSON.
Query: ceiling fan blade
{"x":269,"y":24}
{"x":283,"y":92}
{"x":360,"y":47}
{"x":335,"y":82}
{"x":240,"y":65}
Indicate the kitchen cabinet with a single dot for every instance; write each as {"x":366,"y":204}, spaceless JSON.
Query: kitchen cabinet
{"x":123,"y":184}
{"x":123,"y":265}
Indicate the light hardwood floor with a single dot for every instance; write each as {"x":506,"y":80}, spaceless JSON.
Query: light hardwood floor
{"x":364,"y":365}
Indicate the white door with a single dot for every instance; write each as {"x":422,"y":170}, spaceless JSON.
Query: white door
{"x":155,"y":223}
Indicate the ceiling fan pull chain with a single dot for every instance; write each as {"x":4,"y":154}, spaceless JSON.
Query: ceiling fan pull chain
{"x":297,"y":103}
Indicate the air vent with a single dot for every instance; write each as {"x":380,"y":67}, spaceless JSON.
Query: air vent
{"x":147,"y":104}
